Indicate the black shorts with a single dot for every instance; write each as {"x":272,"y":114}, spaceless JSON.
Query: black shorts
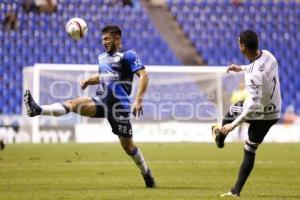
{"x":119,"y":121}
{"x":258,"y":129}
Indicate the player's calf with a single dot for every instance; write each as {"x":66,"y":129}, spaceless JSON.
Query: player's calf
{"x":84,"y":106}
{"x":139,"y":160}
{"x":246,"y":166}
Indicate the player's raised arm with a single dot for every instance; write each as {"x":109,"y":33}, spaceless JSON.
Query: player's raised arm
{"x":235,"y":68}
{"x":93,"y":80}
{"x":251,"y":104}
{"x":143,"y":84}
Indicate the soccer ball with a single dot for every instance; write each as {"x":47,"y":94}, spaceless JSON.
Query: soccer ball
{"x":76,"y":28}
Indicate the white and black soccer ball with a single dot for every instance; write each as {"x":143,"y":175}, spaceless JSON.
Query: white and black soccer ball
{"x":76,"y":28}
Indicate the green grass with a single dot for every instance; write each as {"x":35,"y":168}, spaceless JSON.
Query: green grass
{"x":182,"y":171}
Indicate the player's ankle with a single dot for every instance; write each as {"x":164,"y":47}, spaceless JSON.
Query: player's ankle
{"x":233,"y":191}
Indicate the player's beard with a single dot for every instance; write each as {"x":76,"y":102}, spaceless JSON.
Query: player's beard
{"x":111,"y":49}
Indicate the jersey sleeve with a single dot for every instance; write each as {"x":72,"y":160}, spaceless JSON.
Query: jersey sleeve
{"x":135,"y":63}
{"x":244,"y":67}
{"x":253,"y":84}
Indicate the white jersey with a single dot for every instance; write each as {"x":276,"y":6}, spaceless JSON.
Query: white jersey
{"x":263,"y":87}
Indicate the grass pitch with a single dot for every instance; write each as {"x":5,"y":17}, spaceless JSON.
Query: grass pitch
{"x":182,"y":171}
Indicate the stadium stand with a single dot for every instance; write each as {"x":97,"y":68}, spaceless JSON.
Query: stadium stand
{"x":41,"y":38}
{"x":213,"y":27}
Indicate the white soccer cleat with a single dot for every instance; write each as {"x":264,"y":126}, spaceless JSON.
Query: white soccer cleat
{"x":229,"y":194}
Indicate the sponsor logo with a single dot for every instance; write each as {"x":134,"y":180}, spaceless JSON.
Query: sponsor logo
{"x":105,"y":77}
{"x":48,"y":135}
{"x":117,"y":59}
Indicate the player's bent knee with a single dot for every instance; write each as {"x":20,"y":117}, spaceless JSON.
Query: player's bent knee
{"x":71,"y":104}
{"x":251,"y":146}
{"x":75,"y":105}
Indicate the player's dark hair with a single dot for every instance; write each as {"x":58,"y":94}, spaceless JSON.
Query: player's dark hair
{"x":112,"y":29}
{"x":249,"y":39}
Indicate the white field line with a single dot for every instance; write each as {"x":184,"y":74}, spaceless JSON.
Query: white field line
{"x":179,"y":162}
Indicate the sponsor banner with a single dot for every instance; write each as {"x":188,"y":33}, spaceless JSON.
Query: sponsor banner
{"x":10,"y":135}
{"x":145,"y":132}
{"x":54,"y":134}
{"x":142,"y":132}
{"x":180,"y":132}
{"x":172,"y":132}
{"x":50,"y":134}
{"x":89,"y":133}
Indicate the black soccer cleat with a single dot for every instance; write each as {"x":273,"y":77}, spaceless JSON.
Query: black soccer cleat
{"x":2,"y":145}
{"x":218,"y":136}
{"x":32,"y":108}
{"x":149,"y":179}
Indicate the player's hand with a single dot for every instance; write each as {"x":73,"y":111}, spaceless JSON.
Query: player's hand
{"x":84,"y":84}
{"x":226,"y":129}
{"x":137,"y":108}
{"x":234,"y":67}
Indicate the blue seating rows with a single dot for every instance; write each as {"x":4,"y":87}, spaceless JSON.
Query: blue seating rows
{"x":41,"y":38}
{"x":214,"y":25}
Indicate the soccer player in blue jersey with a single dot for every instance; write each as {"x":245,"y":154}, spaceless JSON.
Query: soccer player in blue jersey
{"x":114,"y":79}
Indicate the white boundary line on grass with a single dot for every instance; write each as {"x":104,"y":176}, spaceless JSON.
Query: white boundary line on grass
{"x":214,"y":162}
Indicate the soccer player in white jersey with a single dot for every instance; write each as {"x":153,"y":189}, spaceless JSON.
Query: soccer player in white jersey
{"x":261,"y":109}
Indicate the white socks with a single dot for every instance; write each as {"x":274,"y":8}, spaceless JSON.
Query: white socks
{"x":56,"y":109}
{"x":139,"y":160}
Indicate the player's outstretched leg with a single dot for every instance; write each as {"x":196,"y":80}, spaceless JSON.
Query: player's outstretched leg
{"x":32,"y":108}
{"x":84,"y":106}
{"x":137,"y":156}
